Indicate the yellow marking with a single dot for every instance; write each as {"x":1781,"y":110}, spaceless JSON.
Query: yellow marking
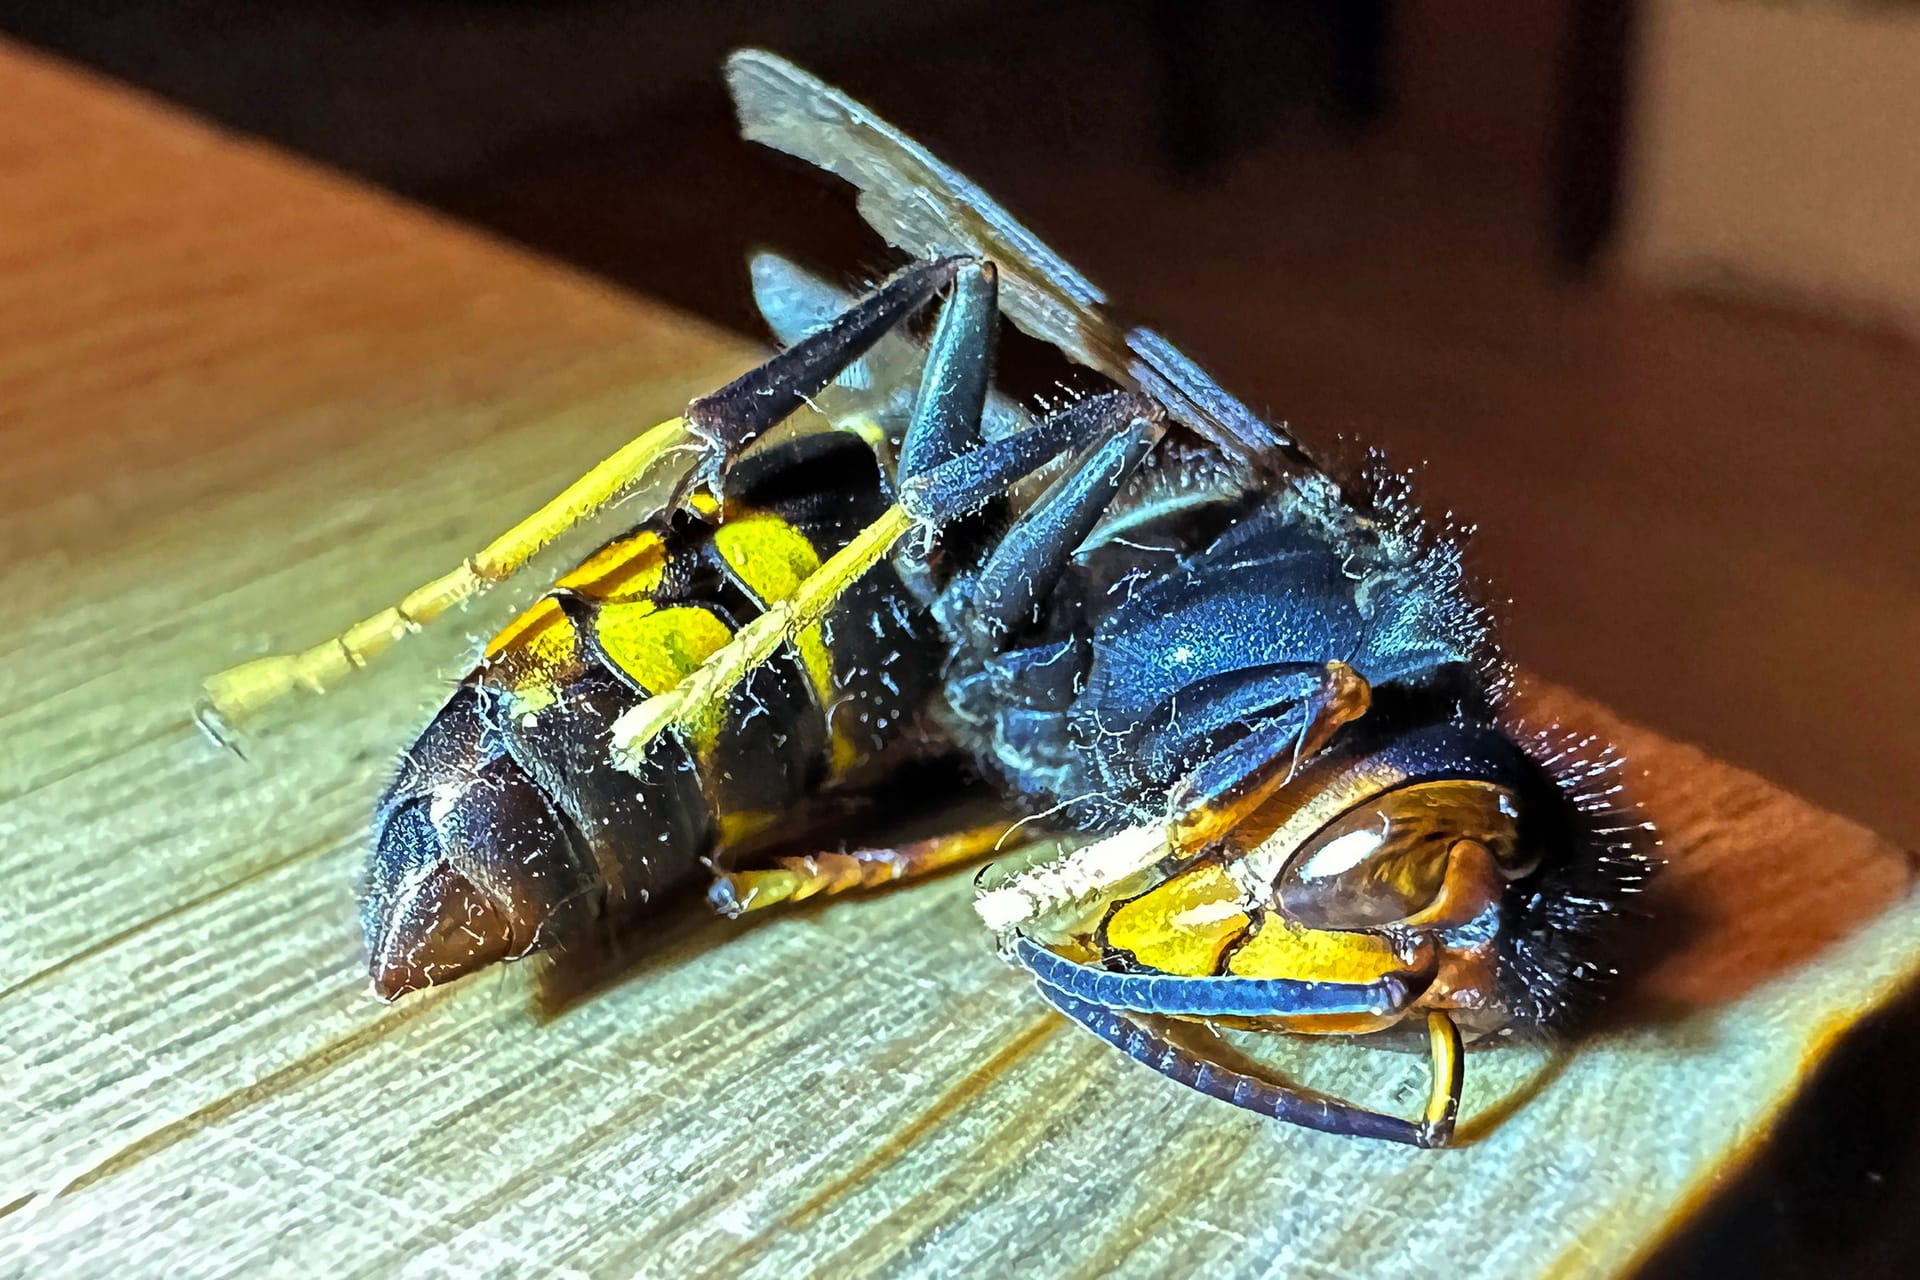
{"x":238,"y":693}
{"x":744,"y":824}
{"x":525,"y":629}
{"x":1281,"y":949}
{"x":1449,"y":1074}
{"x":868,"y":431}
{"x":628,"y":569}
{"x":1182,"y":925}
{"x":770,"y":559}
{"x":754,"y":643}
{"x":658,"y":648}
{"x":533,"y":656}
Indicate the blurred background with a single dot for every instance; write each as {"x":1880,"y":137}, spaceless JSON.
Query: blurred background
{"x":1639,"y":282}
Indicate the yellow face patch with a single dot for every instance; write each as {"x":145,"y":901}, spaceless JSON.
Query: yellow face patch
{"x":1280,"y":948}
{"x":1194,"y":925}
{"x":1183,"y":925}
{"x":770,"y":559}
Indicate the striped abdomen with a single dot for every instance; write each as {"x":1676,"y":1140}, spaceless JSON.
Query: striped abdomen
{"x":508,"y":830}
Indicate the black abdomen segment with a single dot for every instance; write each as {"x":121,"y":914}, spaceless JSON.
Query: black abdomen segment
{"x":507,"y":830}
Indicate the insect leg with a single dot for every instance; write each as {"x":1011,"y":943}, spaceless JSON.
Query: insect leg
{"x":233,"y":696}
{"x":1027,"y":563}
{"x":948,"y":491}
{"x":1219,"y":794}
{"x":681,"y":706}
{"x":1270,"y":1098}
{"x":1212,"y":799}
{"x":1385,"y":997}
{"x":731,"y":418}
{"x":967,"y":482}
{"x":953,"y":387}
{"x":735,"y":893}
{"x":935,"y":497}
{"x":722,"y":424}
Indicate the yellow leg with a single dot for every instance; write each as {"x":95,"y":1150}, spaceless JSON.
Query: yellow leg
{"x":1061,"y":885}
{"x":735,"y":893}
{"x":238,"y":693}
{"x":701,"y":694}
{"x":1449,"y":1075}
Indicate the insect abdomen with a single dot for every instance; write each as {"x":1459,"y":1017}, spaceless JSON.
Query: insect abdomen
{"x":508,"y":830}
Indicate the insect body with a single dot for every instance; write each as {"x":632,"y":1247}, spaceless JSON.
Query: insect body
{"x":509,"y":828}
{"x":1147,"y":616}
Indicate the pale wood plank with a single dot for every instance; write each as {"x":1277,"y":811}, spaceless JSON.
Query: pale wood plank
{"x":244,"y":402}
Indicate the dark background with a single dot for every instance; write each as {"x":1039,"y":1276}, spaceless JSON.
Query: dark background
{"x":1385,"y":220}
{"x":1395,"y":221}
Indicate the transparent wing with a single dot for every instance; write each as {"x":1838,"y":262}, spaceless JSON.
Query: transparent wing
{"x":927,"y":209}
{"x":795,"y":303}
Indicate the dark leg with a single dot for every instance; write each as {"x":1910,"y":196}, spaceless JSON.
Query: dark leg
{"x":962,"y":485}
{"x":723,"y":423}
{"x":1210,"y":800}
{"x":1269,"y":1098}
{"x":1225,"y":788}
{"x":1025,"y":567}
{"x":953,"y":388}
{"x":731,"y":418}
{"x":1177,"y":996}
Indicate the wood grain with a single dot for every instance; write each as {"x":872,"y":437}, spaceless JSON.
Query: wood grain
{"x":243,"y":403}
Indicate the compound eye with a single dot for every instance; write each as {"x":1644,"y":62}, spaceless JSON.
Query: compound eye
{"x":1384,"y":859}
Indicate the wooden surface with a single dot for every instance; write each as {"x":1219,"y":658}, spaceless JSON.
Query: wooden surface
{"x":243,"y":403}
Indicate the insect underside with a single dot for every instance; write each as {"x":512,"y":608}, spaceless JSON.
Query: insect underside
{"x":1265,"y":698}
